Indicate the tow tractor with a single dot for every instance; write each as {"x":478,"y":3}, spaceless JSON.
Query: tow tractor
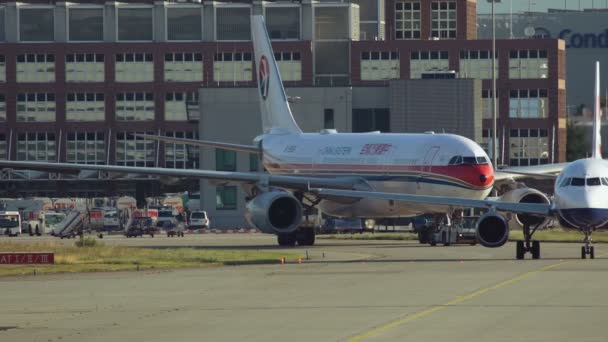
{"x":461,"y":231}
{"x":140,"y":226}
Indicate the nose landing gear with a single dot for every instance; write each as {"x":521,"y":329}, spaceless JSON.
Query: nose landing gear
{"x":587,"y":249}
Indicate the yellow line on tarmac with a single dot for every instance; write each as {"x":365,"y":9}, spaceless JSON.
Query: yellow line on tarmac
{"x":453,"y":302}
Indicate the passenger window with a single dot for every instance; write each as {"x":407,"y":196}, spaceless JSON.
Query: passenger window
{"x":565,"y":182}
{"x":578,"y":182}
{"x":593,"y":181}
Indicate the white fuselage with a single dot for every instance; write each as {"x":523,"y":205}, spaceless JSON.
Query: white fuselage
{"x":420,"y":164}
{"x":581,"y":194}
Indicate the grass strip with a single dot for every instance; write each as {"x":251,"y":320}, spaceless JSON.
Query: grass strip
{"x":102,"y":258}
{"x":549,"y":235}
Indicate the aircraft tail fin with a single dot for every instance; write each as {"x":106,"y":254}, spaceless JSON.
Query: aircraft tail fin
{"x":275,"y":110}
{"x":597,"y":117}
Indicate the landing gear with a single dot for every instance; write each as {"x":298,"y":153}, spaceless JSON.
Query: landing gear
{"x":587,"y":249}
{"x":528,"y":245}
{"x":302,"y":236}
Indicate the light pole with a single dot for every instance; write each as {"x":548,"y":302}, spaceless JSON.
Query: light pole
{"x":494,"y":104}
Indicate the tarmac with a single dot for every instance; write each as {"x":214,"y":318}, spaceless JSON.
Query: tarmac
{"x":348,"y":291}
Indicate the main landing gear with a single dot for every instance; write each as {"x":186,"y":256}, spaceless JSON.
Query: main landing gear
{"x":587,"y":249}
{"x":528,"y":245}
{"x":302,"y":236}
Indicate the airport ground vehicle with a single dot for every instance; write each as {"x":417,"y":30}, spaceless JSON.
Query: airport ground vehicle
{"x":10,"y":223}
{"x":140,"y":226}
{"x":43,"y":222}
{"x":348,"y":225}
{"x":166,"y":215}
{"x":198,"y":220}
{"x":461,"y":231}
{"x":174,"y":228}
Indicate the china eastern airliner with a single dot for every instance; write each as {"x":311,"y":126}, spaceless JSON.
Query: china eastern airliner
{"x":366,"y":175}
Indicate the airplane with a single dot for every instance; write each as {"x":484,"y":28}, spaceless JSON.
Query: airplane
{"x":303,"y":168}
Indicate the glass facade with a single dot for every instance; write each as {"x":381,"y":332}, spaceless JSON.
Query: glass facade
{"x":528,"y":103}
{"x":184,"y":67}
{"x":525,"y":64}
{"x":428,"y":62}
{"x":85,"y":24}
{"x":86,"y":148}
{"x":477,"y":64}
{"x":407,"y":19}
{"x":36,"y":24}
{"x":36,"y":146}
{"x":134,"y":67}
{"x":528,"y":147}
{"x":84,"y":67}
{"x":35,"y":68}
{"x":134,"y":151}
{"x":180,"y":156}
{"x":225,"y":160}
{"x":233,"y":23}
{"x":85,"y":107}
{"x":443,"y":24}
{"x":36,"y":107}
{"x":184,"y":23}
{"x":225,"y":198}
{"x":380,"y":65}
{"x":176,"y":105}
{"x":232,"y":67}
{"x":283,"y":22}
{"x":135,"y":106}
{"x":135,"y":24}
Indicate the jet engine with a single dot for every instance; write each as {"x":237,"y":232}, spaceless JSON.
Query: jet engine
{"x":275,"y":212}
{"x":527,"y":195}
{"x":492,"y":230}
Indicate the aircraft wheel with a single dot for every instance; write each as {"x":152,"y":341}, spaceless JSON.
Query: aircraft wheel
{"x":288,"y":240}
{"x":592,"y":252}
{"x":305,"y":237}
{"x":519,"y":250}
{"x":583,"y":253}
{"x":535,"y":249}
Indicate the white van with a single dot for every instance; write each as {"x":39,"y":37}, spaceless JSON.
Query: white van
{"x":199,"y":220}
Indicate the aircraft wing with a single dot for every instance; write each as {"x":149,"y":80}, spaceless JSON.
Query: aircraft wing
{"x":202,"y":143}
{"x":546,"y":171}
{"x":525,"y":208}
{"x":225,"y":177}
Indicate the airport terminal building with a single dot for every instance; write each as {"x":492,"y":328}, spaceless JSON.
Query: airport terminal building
{"x":77,"y":78}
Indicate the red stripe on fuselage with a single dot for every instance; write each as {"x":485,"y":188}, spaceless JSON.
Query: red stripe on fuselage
{"x":475,"y":175}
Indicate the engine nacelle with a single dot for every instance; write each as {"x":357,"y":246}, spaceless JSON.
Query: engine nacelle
{"x":527,"y":195}
{"x":492,"y":230}
{"x":274,"y":212}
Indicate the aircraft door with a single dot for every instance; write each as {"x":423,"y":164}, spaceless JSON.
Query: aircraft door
{"x":427,"y":163}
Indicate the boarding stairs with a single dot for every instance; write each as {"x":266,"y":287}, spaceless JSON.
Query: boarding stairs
{"x":72,"y":225}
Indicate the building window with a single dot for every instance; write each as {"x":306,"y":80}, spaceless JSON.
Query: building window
{"x":2,"y":69}
{"x":477,"y":64}
{"x":133,"y":150}
{"x":134,"y":67}
{"x":36,"y":146}
{"x":36,"y":68}
{"x":443,"y":23}
{"x":178,"y":104}
{"x":371,"y":119}
{"x":184,"y":67}
{"x":3,"y":145}
{"x":84,"y":67}
{"x":85,"y":24}
{"x":135,"y":23}
{"x":232,"y":67}
{"x":332,"y":22}
{"x":2,"y":108}
{"x":528,"y":103}
{"x":524,"y":64}
{"x":36,"y":107}
{"x":184,"y":23}
{"x":486,"y":141}
{"x":328,"y":118}
{"x":2,"y":21}
{"x":233,"y":23}
{"x":36,"y":24}
{"x":290,"y":65}
{"x":379,"y":65}
{"x":283,"y":22}
{"x":85,"y":107}
{"x":225,"y":198}
{"x":407,"y":19}
{"x":181,"y":156}
{"x":254,"y":162}
{"x":135,"y":107}
{"x":487,"y":108}
{"x":86,"y":148}
{"x":428,"y":62}
{"x":225,"y":160}
{"x":528,"y":147}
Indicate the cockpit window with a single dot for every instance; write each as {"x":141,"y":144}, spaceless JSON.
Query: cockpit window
{"x":565,"y":182}
{"x":469,"y":160}
{"x":593,"y":181}
{"x":604,"y":181}
{"x":482,"y":160}
{"x":578,"y":182}
{"x":456,"y":160}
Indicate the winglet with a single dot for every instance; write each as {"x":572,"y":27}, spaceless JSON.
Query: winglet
{"x":597,"y":117}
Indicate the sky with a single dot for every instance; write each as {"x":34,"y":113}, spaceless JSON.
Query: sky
{"x":483,"y":6}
